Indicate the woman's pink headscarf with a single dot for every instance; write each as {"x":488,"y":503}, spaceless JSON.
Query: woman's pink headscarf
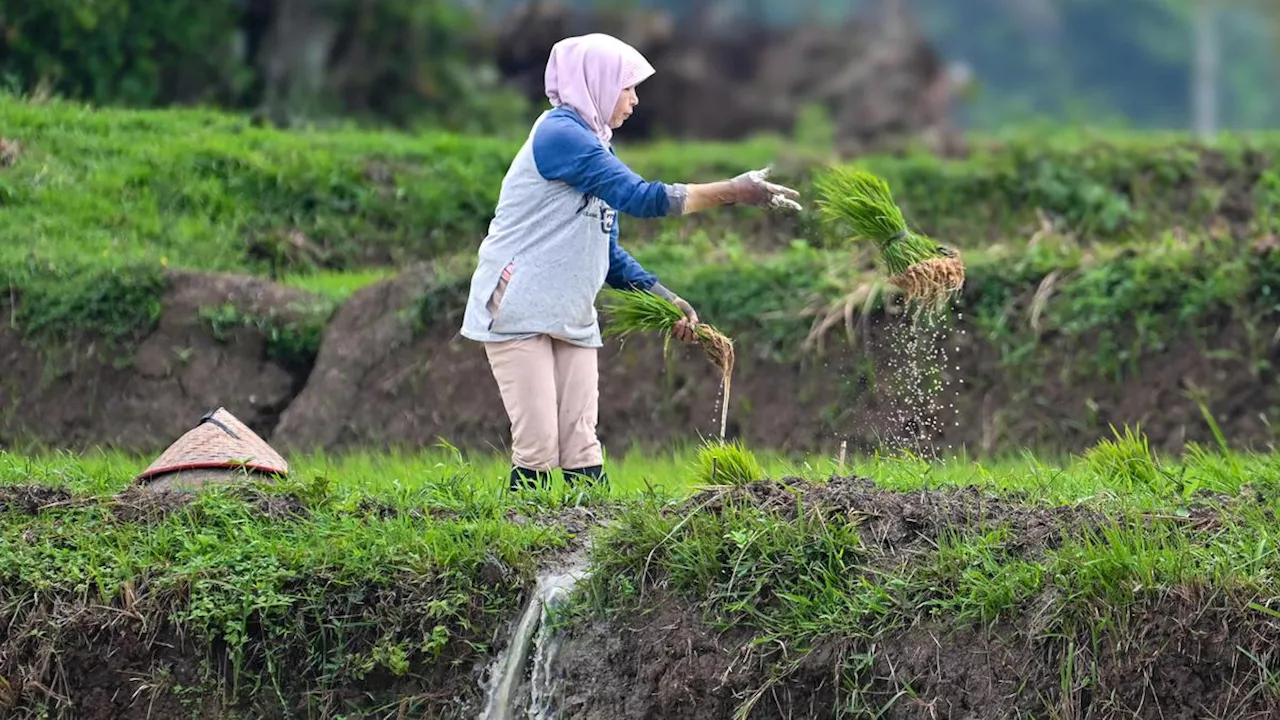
{"x":589,"y":72}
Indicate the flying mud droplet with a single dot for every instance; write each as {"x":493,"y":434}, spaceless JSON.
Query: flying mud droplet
{"x":916,"y":381}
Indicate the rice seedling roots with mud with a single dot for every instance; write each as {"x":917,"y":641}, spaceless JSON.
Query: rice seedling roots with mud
{"x":930,"y":284}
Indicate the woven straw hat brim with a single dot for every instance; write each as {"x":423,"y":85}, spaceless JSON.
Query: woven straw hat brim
{"x":219,"y":441}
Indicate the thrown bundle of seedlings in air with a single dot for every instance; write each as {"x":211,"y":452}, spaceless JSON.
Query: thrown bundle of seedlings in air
{"x":929,"y":273}
{"x":632,"y":311}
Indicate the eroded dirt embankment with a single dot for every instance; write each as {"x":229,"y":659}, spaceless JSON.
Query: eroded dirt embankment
{"x":1168,"y":652}
{"x":1181,"y":659}
{"x":1175,"y":652}
{"x":381,"y":380}
{"x":89,"y":393}
{"x":146,"y":648}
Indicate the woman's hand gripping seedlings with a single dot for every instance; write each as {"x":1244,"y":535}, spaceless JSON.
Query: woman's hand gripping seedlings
{"x":684,"y":330}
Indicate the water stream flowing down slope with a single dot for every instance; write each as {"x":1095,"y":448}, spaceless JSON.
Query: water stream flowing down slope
{"x":512,"y":684}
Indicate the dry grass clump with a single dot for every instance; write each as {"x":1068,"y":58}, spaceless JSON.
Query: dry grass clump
{"x":642,"y":311}
{"x":9,"y":152}
{"x":928,"y":273}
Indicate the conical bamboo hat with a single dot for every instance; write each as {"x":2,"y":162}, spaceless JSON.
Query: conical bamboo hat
{"x":218,"y":441}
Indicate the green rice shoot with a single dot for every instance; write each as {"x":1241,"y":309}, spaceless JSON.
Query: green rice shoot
{"x":720,"y":463}
{"x":630,"y":312}
{"x":1127,"y":461}
{"x":643,"y":311}
{"x":862,"y":202}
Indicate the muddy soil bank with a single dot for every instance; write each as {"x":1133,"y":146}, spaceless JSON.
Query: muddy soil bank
{"x":388,"y":375}
{"x":1181,"y":652}
{"x":1180,"y":657}
{"x":124,"y":663}
{"x":1173,"y":652}
{"x":90,"y":393}
{"x":67,"y":655}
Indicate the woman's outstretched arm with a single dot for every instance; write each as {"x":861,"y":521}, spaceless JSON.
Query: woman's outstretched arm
{"x":750,"y":188}
{"x":566,"y":151}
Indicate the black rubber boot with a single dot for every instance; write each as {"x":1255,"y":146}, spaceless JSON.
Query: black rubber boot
{"x":524,"y":478}
{"x":594,"y":475}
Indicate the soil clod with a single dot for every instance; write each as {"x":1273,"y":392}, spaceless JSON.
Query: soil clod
{"x":10,"y":150}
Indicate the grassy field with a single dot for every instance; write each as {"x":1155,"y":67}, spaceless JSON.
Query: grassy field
{"x":405,"y":566}
{"x":205,"y":190}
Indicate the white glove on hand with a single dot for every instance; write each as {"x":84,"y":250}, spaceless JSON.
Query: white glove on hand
{"x":752,"y":188}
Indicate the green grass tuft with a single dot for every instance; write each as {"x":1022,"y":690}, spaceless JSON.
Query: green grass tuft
{"x":1126,"y":461}
{"x":65,"y":304}
{"x":721,"y":462}
{"x":294,"y":345}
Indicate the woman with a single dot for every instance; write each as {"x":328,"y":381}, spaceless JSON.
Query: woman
{"x":553,"y":244}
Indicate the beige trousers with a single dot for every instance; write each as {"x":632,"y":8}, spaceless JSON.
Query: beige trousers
{"x":550,"y":389}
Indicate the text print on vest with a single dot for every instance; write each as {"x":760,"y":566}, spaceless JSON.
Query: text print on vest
{"x":594,"y":207}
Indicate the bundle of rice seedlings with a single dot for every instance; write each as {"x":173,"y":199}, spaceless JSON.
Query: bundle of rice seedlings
{"x":928,"y":272}
{"x":727,"y":463}
{"x":642,"y":311}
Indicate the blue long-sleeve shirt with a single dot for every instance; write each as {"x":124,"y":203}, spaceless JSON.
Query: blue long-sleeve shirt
{"x":555,"y":235}
{"x":565,"y":149}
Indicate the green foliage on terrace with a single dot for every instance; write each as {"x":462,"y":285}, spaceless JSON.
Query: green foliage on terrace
{"x":207,"y":190}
